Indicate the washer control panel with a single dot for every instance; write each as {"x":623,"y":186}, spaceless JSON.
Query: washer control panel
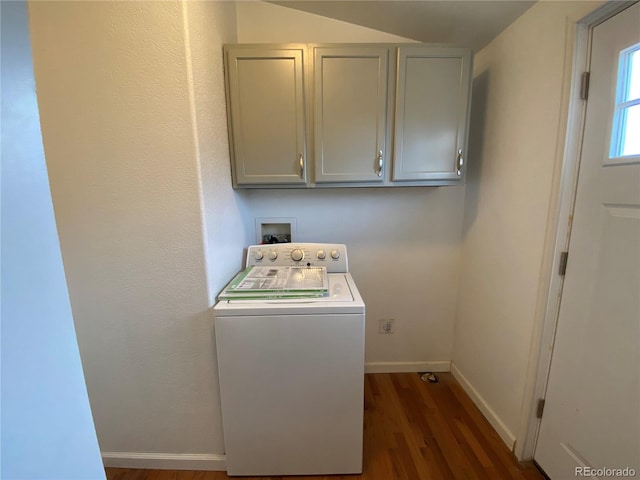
{"x":333,"y":256}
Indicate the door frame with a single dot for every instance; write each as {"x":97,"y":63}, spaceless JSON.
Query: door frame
{"x":577,"y":61}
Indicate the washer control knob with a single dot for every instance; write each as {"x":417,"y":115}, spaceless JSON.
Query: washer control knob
{"x":259,"y":255}
{"x":321,"y":255}
{"x":335,"y":254}
{"x":273,"y":255}
{"x":297,"y":254}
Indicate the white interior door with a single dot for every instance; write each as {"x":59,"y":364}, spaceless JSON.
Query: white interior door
{"x":592,"y":412}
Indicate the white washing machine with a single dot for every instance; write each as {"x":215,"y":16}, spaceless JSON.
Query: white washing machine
{"x":292,"y":371}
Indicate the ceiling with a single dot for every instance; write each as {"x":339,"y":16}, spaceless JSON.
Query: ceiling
{"x":467,"y":23}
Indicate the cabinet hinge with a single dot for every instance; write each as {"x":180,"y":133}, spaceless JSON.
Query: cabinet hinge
{"x":540,"y":408}
{"x":584,"y":85}
{"x":562,"y":269}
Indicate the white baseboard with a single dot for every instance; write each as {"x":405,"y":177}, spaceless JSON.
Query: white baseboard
{"x":171,"y":461}
{"x":505,"y":434}
{"x":401,"y":367}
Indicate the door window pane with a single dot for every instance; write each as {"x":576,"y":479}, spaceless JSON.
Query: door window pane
{"x":625,"y":136}
{"x":634,"y":76}
{"x":631,"y":139}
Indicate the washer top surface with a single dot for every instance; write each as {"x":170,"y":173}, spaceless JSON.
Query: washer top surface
{"x":343,"y":298}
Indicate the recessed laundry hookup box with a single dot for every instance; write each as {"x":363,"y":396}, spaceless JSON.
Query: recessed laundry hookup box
{"x":275,"y":230}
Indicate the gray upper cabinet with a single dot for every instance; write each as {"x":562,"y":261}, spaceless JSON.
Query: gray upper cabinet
{"x":432,"y":112}
{"x":347,"y":115}
{"x":265,"y":96}
{"x":350,"y":113}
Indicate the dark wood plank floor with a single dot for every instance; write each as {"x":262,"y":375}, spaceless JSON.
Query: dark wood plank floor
{"x":412,"y":431}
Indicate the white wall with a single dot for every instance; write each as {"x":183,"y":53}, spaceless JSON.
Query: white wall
{"x":228,"y":226}
{"x":403,"y":243}
{"x":47,"y":429}
{"x":515,"y":153}
{"x":133,"y":124}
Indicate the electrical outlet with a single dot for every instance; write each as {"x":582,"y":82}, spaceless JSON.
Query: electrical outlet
{"x":386,"y":325}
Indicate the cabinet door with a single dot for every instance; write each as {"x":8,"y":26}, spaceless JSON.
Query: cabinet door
{"x":265,"y":93}
{"x":432,"y":111}
{"x":350,"y":113}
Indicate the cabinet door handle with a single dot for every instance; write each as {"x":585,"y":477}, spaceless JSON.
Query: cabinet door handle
{"x":301,"y":166}
{"x":459,"y":162}
{"x":380,"y":163}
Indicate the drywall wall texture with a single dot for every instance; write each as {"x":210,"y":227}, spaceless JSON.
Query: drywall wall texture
{"x":403,"y":254}
{"x":119,"y":123}
{"x":228,"y":227}
{"x":403,"y":242}
{"x":517,"y":133}
{"x":47,"y":429}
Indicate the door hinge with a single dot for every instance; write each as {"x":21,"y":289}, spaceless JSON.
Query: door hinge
{"x":562,"y":269}
{"x":540,"y":408}
{"x":584,"y":85}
